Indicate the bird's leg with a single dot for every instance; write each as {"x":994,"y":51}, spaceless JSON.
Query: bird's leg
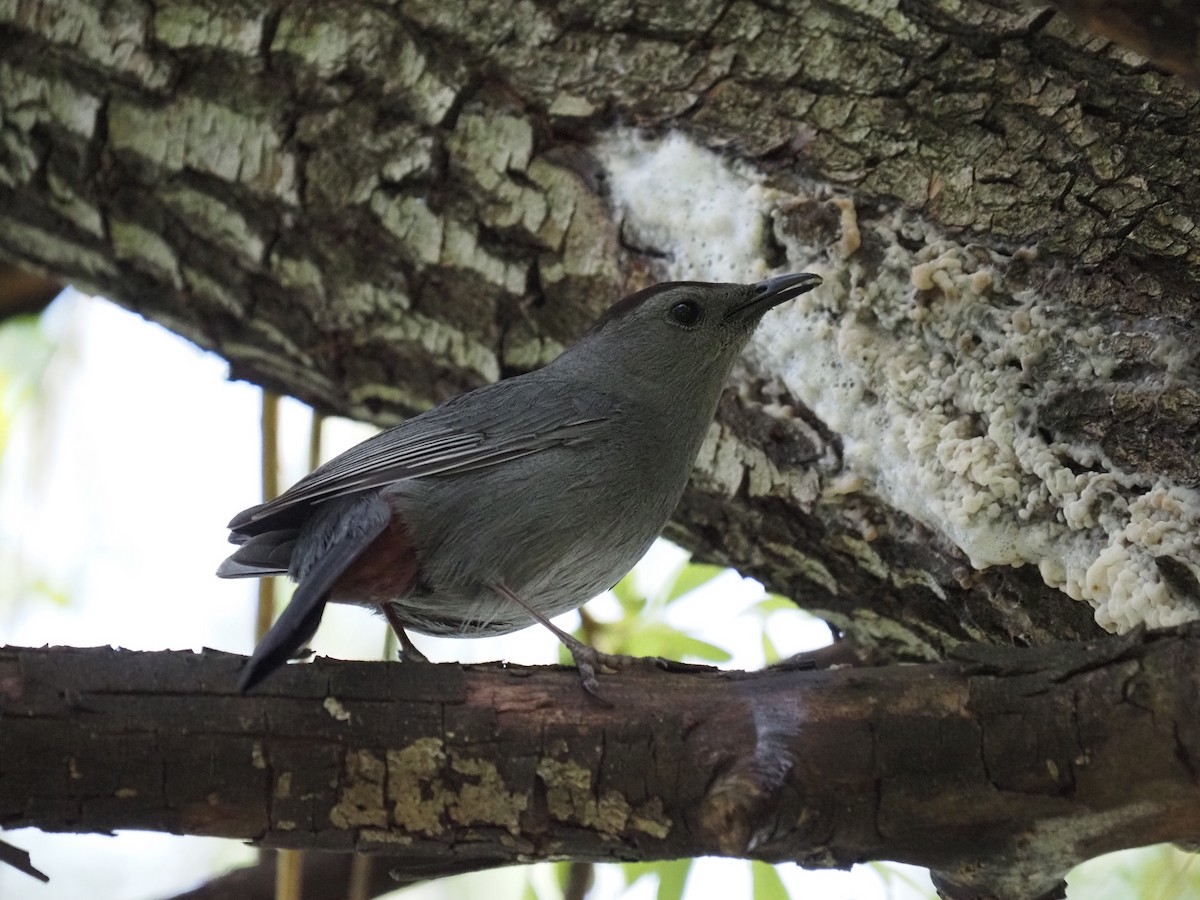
{"x":587,"y":658}
{"x":408,"y":650}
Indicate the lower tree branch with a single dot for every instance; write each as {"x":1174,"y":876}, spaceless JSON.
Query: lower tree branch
{"x":999,"y":771}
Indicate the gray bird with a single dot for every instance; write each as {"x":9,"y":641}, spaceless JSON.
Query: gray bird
{"x":519,"y":500}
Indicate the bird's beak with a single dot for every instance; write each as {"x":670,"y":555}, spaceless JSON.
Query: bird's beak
{"x":772,"y":291}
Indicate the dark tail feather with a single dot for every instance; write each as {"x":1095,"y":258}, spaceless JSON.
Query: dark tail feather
{"x":360,"y":525}
{"x":288,"y":634}
{"x":262,"y":554}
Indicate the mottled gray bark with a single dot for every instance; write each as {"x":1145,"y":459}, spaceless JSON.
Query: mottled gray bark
{"x":373,"y":208}
{"x":999,"y":772}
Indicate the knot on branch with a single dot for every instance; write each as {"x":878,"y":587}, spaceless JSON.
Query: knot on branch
{"x":949,"y":889}
{"x":738,"y":811}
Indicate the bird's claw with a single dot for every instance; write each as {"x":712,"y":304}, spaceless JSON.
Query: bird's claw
{"x":589,"y":661}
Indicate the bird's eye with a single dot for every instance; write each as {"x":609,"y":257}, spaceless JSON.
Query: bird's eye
{"x":686,"y":313}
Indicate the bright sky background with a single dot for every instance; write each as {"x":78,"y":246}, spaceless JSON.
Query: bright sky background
{"x":116,"y":501}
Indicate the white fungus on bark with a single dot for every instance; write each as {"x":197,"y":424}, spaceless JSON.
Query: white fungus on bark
{"x":930,"y":367}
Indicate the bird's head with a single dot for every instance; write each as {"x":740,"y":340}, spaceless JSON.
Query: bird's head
{"x":682,"y":334}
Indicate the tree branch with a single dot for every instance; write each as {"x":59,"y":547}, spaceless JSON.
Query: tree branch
{"x":999,"y":772}
{"x":989,"y":413}
{"x":374,"y":209}
{"x":1165,"y":32}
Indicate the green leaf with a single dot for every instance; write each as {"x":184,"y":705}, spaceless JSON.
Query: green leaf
{"x":773,"y":603}
{"x":530,"y":892}
{"x":770,"y":651}
{"x":767,"y":883}
{"x":47,"y":591}
{"x":631,"y":872}
{"x":692,"y":576}
{"x":672,"y":877}
{"x":657,"y":639}
{"x":628,"y":596}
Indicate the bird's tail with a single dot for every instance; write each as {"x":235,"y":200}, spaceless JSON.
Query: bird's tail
{"x":264,"y":554}
{"x":357,"y":527}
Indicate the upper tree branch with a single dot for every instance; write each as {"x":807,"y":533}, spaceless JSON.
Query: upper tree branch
{"x":999,"y":773}
{"x":373,"y":210}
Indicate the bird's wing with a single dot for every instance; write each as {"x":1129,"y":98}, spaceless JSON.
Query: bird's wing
{"x":449,"y":439}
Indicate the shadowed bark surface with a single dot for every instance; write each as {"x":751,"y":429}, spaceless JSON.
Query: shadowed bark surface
{"x":1168,"y":33}
{"x":999,"y":772}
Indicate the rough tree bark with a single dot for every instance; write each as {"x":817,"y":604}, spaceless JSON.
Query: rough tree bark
{"x":374,"y":208}
{"x":984,"y":427}
{"x":461,"y":768}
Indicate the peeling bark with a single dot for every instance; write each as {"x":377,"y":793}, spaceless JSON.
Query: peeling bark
{"x":999,"y":772}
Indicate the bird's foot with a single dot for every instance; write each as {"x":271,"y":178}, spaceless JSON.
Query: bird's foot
{"x":408,"y":651}
{"x":589,"y":661}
